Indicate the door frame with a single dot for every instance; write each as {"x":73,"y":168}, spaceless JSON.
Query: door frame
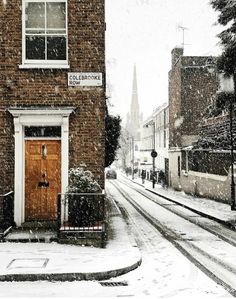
{"x":37,"y":117}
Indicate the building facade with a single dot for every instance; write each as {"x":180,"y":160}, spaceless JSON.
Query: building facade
{"x":192,"y":88}
{"x":155,"y":135}
{"x":52,"y":100}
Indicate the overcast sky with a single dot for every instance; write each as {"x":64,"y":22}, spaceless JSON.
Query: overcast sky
{"x":143,"y":32}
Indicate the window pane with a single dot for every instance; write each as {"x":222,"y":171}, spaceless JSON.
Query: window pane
{"x":56,"y":15}
{"x":56,"y":46}
{"x":35,"y":15}
{"x":42,"y":131}
{"x":35,"y":47}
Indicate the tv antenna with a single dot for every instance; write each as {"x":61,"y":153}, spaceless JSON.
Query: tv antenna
{"x":183,"y":35}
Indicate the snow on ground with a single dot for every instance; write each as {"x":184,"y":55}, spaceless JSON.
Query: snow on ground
{"x":214,"y":208}
{"x":212,"y":246}
{"x":164,"y":272}
{"x":119,"y":253}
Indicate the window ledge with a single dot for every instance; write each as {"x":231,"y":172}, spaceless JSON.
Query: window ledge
{"x":44,"y":66}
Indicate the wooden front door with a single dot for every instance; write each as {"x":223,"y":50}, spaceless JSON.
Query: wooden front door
{"x":42,"y":179}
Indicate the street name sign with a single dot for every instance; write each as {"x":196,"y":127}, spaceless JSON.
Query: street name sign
{"x":84,"y":79}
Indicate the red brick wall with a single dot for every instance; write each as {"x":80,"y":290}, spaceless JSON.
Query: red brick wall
{"x":191,"y":89}
{"x":48,"y":87}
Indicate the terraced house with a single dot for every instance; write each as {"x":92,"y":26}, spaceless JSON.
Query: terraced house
{"x":52,"y":100}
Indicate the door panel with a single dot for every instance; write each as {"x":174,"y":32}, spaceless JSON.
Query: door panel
{"x":42,"y":179}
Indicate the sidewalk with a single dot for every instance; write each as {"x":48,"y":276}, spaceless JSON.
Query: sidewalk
{"x":53,"y":261}
{"x":220,"y":212}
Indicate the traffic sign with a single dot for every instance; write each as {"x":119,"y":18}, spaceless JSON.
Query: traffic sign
{"x":154,"y":154}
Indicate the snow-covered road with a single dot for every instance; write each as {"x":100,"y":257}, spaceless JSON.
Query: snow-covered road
{"x":165,"y":272}
{"x":215,"y":255}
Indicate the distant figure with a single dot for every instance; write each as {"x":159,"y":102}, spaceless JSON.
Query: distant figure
{"x":143,"y":175}
{"x":162,"y":178}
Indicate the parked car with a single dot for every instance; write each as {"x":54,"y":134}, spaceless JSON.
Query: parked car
{"x":111,"y":174}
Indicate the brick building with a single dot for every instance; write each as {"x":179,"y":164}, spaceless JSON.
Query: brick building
{"x":42,"y":112}
{"x":192,"y":88}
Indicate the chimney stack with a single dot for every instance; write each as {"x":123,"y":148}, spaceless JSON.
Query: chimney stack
{"x":176,"y":53}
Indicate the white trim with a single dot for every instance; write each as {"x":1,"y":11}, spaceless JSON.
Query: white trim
{"x":175,"y":150}
{"x":37,"y":117}
{"x":44,"y":66}
{"x":60,"y":111}
{"x":64,"y":162}
{"x":18,"y":181}
{"x":42,"y":138}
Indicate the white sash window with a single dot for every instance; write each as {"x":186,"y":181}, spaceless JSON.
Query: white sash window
{"x":44,"y":25}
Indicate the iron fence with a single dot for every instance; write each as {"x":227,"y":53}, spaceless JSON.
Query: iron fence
{"x":81,"y":212}
{"x":8,"y":210}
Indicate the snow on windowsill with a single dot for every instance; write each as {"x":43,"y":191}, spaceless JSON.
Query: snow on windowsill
{"x":44,"y":66}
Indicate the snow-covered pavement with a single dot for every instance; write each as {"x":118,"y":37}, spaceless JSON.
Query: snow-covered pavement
{"x":31,"y":259}
{"x":215,"y":209}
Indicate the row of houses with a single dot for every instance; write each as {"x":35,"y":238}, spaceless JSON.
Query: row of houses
{"x":192,"y":144}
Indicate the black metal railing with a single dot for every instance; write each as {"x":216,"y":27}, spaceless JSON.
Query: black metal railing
{"x":81,"y":212}
{"x":8,"y":209}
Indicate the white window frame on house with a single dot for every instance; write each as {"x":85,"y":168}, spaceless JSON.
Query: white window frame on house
{"x":45,"y":63}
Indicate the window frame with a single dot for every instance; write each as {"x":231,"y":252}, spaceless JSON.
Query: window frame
{"x":36,"y":63}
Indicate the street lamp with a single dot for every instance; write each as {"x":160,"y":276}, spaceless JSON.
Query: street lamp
{"x":232,"y":150}
{"x":132,"y":151}
{"x":153,"y":153}
{"x":228,"y":84}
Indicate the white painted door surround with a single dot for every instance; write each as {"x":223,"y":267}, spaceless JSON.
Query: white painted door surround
{"x":37,"y":117}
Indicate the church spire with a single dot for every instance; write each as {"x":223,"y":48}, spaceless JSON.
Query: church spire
{"x":134,"y":102}
{"x":134,"y":122}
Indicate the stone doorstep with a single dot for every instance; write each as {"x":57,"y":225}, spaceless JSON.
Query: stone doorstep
{"x":87,"y":238}
{"x":33,"y":231}
{"x":46,"y":225}
{"x":47,"y":231}
{"x":31,"y":235}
